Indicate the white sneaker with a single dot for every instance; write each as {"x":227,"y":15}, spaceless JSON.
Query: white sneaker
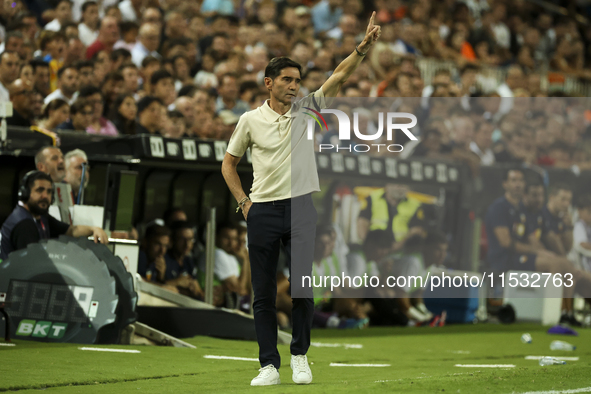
{"x":268,"y":376}
{"x":423,"y":309}
{"x":301,"y":370}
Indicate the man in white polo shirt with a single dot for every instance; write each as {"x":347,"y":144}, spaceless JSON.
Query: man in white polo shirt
{"x":285,"y":175}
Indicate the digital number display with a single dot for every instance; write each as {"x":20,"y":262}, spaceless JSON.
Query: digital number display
{"x":46,"y":301}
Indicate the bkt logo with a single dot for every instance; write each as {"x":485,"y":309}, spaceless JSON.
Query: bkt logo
{"x":41,"y":329}
{"x":345,"y":128}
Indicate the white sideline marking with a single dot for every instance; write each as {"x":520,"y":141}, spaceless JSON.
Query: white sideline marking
{"x":230,"y":358}
{"x":7,"y":344}
{"x":421,"y":377}
{"x":99,"y":349}
{"x":358,"y":365}
{"x":345,"y":345}
{"x":485,"y":365}
{"x":459,"y":351}
{"x":559,"y":358}
{"x":572,"y":391}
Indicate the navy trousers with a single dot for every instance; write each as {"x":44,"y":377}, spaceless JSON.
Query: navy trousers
{"x":291,"y":222}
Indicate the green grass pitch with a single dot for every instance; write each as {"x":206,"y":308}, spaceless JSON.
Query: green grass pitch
{"x":422,"y":360}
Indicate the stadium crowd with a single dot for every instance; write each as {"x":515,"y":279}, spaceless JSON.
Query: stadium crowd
{"x":190,"y":70}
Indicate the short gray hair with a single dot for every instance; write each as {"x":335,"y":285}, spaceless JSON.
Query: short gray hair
{"x":74,"y":153}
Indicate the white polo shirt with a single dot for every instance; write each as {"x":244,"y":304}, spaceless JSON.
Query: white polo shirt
{"x":283,"y":160}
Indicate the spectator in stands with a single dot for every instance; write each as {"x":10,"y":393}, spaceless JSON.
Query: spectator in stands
{"x":177,"y":128}
{"x":228,"y":96}
{"x":119,"y":56}
{"x":149,"y":111}
{"x":89,"y":25}
{"x":162,"y":86}
{"x":482,"y":142}
{"x":14,"y":42}
{"x":99,"y":124}
{"x":63,"y":14}
{"x":149,"y":66}
{"x":9,"y":70}
{"x":129,"y":33}
{"x":180,"y":266}
{"x":508,"y":247}
{"x":40,"y":76}
{"x":123,"y":113}
{"x":131,"y":10}
{"x":107,"y":37}
{"x":185,"y":105}
{"x":81,"y":113}
{"x":67,"y":85}
{"x":86,"y":73}
{"x":53,"y":48}
{"x":147,"y":44}
{"x":50,"y":160}
{"x":130,"y":78}
{"x":37,"y":106}
{"x":558,"y":224}
{"x":326,"y":15}
{"x":21,"y":94}
{"x":217,"y":7}
{"x":26,"y":73}
{"x":182,"y":72}
{"x":112,"y":87}
{"x":55,"y":113}
{"x":102,"y":66}
{"x":75,"y":160}
{"x":462,"y":133}
{"x":30,"y":222}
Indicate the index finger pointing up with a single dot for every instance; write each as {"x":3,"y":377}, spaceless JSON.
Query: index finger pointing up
{"x":373,"y":15}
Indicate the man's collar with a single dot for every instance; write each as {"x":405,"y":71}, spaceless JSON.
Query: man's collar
{"x":272,"y":116}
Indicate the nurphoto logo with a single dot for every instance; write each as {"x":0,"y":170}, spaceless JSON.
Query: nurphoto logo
{"x":344,"y":132}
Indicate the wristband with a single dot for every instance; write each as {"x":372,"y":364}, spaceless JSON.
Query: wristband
{"x":241,"y":204}
{"x":359,"y":53}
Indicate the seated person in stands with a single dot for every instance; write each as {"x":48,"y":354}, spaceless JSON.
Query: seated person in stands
{"x":409,"y":264}
{"x":509,"y":243}
{"x":149,"y":114}
{"x":228,"y":273}
{"x":151,"y":259}
{"x":435,"y":251}
{"x":558,"y":236}
{"x":80,"y":116}
{"x":365,"y":260}
{"x":180,"y":266}
{"x":557,"y":220}
{"x":332,"y":311}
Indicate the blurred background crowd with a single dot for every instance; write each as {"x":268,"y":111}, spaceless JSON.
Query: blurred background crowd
{"x":190,"y":69}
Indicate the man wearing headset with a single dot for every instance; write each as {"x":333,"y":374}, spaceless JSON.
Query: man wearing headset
{"x":30,"y":222}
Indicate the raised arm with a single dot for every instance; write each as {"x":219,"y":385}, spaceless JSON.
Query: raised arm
{"x":348,"y":66}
